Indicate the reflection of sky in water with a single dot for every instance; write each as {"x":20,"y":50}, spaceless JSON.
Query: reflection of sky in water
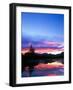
{"x":50,"y":69}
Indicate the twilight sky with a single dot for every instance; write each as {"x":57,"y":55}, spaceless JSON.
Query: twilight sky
{"x":42,"y":30}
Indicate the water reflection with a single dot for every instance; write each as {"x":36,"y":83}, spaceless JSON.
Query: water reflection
{"x":54,"y":68}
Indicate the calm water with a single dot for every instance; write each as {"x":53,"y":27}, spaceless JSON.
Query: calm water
{"x":50,"y":69}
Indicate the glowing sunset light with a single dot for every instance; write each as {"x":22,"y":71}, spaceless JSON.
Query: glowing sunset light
{"x":44,"y":50}
{"x":55,"y":52}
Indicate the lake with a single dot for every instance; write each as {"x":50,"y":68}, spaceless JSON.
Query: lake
{"x":55,"y":68}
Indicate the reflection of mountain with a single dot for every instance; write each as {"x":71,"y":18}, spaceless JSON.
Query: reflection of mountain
{"x":32,"y":59}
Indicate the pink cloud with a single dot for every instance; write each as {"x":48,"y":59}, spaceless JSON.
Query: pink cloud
{"x":53,"y":47}
{"x":43,"y":50}
{"x":53,"y":44}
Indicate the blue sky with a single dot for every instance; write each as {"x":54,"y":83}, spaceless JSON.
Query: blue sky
{"x":37,"y":28}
